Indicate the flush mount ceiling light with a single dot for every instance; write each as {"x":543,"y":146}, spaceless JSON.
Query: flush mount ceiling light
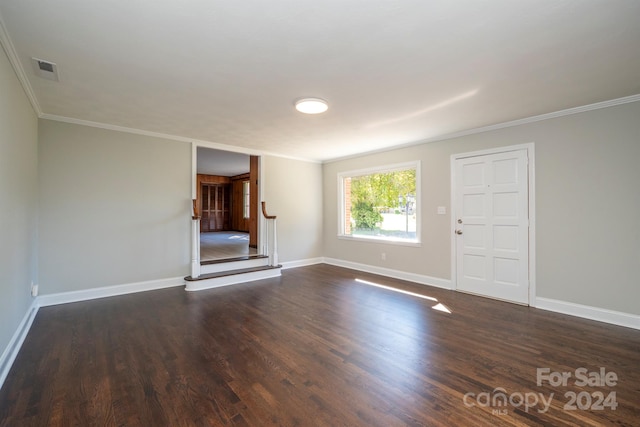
{"x":312,"y":105}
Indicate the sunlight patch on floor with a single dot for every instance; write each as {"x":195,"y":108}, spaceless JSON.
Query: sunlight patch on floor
{"x":439,"y":307}
{"x":238,"y":237}
{"x":377,"y":285}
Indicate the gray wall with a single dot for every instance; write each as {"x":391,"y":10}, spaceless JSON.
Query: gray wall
{"x":293,"y":192}
{"x":114,"y":207}
{"x":18,"y":201}
{"x":587,"y":196}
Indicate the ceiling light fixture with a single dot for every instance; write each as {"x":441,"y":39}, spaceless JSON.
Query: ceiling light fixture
{"x":312,"y":105}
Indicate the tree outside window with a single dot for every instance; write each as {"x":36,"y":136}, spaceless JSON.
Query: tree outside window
{"x":381,"y":204}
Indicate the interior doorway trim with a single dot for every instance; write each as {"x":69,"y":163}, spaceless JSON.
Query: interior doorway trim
{"x":195,"y":237}
{"x":530,"y":149}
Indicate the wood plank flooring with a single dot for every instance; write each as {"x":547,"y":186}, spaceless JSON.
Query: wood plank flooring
{"x":313,"y":347}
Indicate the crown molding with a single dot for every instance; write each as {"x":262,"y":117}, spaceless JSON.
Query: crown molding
{"x":546,"y":116}
{"x":143,"y":132}
{"x":512,"y":123}
{"x":9,"y":49}
{"x":198,"y":142}
{"x":7,"y":44}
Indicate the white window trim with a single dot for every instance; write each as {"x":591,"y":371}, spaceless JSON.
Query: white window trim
{"x":246,"y":199}
{"x":381,"y":169}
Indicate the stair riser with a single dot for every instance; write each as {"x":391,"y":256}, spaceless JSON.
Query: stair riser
{"x":233,"y":265}
{"x":231,"y":280}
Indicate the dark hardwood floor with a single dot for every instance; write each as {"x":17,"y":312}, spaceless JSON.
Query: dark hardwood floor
{"x":315,"y":348}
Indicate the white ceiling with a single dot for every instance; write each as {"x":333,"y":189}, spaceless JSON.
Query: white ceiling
{"x":394,"y":72}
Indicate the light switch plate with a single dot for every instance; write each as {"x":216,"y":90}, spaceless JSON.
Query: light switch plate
{"x":442,"y":210}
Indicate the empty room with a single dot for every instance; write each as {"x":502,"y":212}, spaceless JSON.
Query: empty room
{"x":340,"y":213}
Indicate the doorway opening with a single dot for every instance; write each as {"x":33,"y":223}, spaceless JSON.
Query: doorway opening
{"x":226,"y":187}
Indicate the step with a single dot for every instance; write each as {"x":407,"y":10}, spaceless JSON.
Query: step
{"x":221,"y":265}
{"x":231,"y":277}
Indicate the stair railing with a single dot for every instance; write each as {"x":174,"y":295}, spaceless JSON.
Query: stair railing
{"x":195,"y":241}
{"x":271,"y":244}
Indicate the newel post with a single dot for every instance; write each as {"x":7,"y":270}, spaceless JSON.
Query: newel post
{"x":195,"y":242}
{"x":272,"y":237}
{"x":275,"y":244}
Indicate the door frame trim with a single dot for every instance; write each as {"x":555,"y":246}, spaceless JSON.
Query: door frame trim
{"x":530,"y":149}
{"x":195,"y":240}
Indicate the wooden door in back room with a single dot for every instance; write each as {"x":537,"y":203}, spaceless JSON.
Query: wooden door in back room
{"x":216,"y":204}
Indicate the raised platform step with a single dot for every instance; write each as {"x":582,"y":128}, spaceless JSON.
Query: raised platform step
{"x":231,"y":277}
{"x":222,"y":265}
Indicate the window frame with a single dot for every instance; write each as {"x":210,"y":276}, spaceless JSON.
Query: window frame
{"x":246,"y":199}
{"x":370,"y":171}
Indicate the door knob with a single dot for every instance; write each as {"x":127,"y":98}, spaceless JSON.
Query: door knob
{"x":458,"y":231}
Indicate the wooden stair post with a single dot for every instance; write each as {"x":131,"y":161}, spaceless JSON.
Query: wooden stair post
{"x":195,"y":241}
{"x":272,"y":237}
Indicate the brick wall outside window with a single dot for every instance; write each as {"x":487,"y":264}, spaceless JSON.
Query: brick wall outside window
{"x":347,"y":206}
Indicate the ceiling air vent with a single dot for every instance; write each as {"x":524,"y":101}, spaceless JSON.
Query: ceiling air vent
{"x":45,"y":69}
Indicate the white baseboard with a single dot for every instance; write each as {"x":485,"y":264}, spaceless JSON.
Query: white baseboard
{"x":592,"y":313}
{"x":10,"y":353}
{"x":234,"y":279}
{"x":108,"y":291}
{"x":302,"y":263}
{"x":396,"y":274}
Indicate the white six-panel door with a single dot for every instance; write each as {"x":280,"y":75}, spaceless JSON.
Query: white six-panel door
{"x":492,"y":225}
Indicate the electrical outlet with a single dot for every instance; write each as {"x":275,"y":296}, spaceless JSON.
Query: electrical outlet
{"x":34,"y":290}
{"x":383,"y":256}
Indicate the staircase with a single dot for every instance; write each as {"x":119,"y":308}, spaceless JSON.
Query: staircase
{"x":231,"y":271}
{"x":213,"y":274}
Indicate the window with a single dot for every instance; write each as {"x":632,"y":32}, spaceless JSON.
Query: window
{"x":246,"y":193}
{"x":381,"y":203}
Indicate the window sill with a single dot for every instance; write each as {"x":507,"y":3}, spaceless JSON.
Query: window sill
{"x":376,"y":239}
